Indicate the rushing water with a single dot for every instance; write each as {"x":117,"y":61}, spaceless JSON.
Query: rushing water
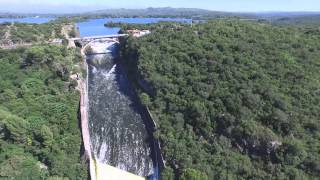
{"x":94,"y":27}
{"x":35,"y":20}
{"x":117,"y":131}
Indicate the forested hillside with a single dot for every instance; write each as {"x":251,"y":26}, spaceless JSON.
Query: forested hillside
{"x":19,"y":33}
{"x":39,"y":132}
{"x":302,"y":21}
{"x":232,"y":99}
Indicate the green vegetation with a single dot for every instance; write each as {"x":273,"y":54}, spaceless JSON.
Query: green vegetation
{"x":29,"y":33}
{"x":302,"y":21}
{"x":232,"y":99}
{"x":151,"y":27}
{"x":39,"y":133}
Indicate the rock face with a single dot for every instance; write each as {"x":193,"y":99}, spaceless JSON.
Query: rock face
{"x":118,"y":134}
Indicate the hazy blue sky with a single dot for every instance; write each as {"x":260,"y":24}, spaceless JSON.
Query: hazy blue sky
{"x":219,"y":5}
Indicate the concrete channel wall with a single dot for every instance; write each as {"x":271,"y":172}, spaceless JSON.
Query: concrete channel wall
{"x":84,"y":109}
{"x":142,"y":84}
{"x":161,"y":160}
{"x":151,"y":127}
{"x":150,"y":123}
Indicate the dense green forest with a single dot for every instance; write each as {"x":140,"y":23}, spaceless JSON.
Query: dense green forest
{"x":232,"y":99}
{"x":39,"y":132}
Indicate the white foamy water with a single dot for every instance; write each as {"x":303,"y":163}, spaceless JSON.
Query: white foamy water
{"x":111,"y":73}
{"x":94,"y":70}
{"x":118,"y":134}
{"x":100,"y":47}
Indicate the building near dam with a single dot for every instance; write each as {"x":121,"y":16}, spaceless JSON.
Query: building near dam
{"x":138,"y":33}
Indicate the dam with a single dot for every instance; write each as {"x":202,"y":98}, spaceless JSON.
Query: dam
{"x":117,"y":132}
{"x":119,"y":139}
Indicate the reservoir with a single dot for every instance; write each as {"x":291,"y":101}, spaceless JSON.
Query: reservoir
{"x":95,"y":27}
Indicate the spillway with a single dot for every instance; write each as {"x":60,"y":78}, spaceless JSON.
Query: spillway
{"x":118,"y":135}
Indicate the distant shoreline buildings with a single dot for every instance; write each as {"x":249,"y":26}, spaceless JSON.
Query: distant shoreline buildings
{"x":138,"y":33}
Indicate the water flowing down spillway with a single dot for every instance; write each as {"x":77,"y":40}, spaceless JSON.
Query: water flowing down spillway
{"x":117,"y":132}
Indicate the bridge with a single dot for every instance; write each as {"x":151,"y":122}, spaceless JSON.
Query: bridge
{"x":99,"y":37}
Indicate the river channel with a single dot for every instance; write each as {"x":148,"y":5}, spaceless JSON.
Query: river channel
{"x":118,"y":132}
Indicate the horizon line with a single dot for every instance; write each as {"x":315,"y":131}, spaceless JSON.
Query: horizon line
{"x":92,"y":11}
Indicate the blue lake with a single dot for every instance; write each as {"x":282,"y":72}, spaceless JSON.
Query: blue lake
{"x":95,"y":27}
{"x":35,"y":20}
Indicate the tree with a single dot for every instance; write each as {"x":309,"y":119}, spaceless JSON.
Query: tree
{"x":167,"y":174}
{"x":252,"y":83}
{"x":38,"y":115}
{"x":13,"y":127}
{"x":145,"y":99}
{"x":46,"y":135}
{"x":192,"y":174}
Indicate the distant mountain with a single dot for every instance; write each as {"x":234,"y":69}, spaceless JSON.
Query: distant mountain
{"x":193,"y":13}
{"x":155,"y":11}
{"x":284,"y":14}
{"x":164,"y":12}
{"x":196,"y":14}
{"x":303,"y":20}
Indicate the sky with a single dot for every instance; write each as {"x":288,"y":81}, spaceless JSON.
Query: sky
{"x":72,"y":6}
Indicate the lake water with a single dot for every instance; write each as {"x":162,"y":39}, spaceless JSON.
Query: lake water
{"x":95,"y":27}
{"x":34,"y":20}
